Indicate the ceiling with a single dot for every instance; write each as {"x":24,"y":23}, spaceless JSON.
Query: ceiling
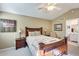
{"x":31,"y":9}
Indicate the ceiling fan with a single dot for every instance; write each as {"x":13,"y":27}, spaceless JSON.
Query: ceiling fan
{"x":48,"y":7}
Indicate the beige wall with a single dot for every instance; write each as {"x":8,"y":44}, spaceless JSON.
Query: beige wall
{"x":71,"y":14}
{"x":8,"y":39}
{"x":59,"y":33}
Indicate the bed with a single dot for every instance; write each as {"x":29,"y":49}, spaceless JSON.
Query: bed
{"x":41,"y":45}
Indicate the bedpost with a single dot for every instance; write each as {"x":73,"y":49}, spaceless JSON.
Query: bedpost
{"x":41,"y":29}
{"x":41,"y":48}
{"x":26,"y":33}
{"x":65,"y":38}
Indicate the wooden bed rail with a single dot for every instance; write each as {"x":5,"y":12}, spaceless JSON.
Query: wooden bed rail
{"x":60,"y":44}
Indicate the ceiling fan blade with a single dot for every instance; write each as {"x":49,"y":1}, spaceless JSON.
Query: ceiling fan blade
{"x":48,"y":7}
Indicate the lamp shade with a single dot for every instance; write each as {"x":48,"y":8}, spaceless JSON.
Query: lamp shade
{"x":19,"y":31}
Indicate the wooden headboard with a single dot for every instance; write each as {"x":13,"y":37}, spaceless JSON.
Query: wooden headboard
{"x":32,"y":29}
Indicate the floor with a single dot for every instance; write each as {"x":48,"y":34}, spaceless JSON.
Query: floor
{"x":13,"y":52}
{"x":73,"y":50}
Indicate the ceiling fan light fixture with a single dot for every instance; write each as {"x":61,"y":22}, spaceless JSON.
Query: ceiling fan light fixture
{"x":49,"y":8}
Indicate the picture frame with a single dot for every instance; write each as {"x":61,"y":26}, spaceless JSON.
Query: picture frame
{"x":57,"y":27}
{"x":7,"y":25}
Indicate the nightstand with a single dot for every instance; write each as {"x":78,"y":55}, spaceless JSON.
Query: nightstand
{"x":21,"y":42}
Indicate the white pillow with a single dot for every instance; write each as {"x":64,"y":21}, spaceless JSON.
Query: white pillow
{"x":37,"y":33}
{"x":34,"y":33}
{"x":31,"y":33}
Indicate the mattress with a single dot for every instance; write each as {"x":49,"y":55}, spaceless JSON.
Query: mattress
{"x":13,"y":52}
{"x":33,"y":42}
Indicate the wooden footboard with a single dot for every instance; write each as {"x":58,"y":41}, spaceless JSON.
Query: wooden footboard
{"x":60,"y":45}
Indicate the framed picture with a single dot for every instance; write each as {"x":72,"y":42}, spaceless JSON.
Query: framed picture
{"x":7,"y":25}
{"x":57,"y":27}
